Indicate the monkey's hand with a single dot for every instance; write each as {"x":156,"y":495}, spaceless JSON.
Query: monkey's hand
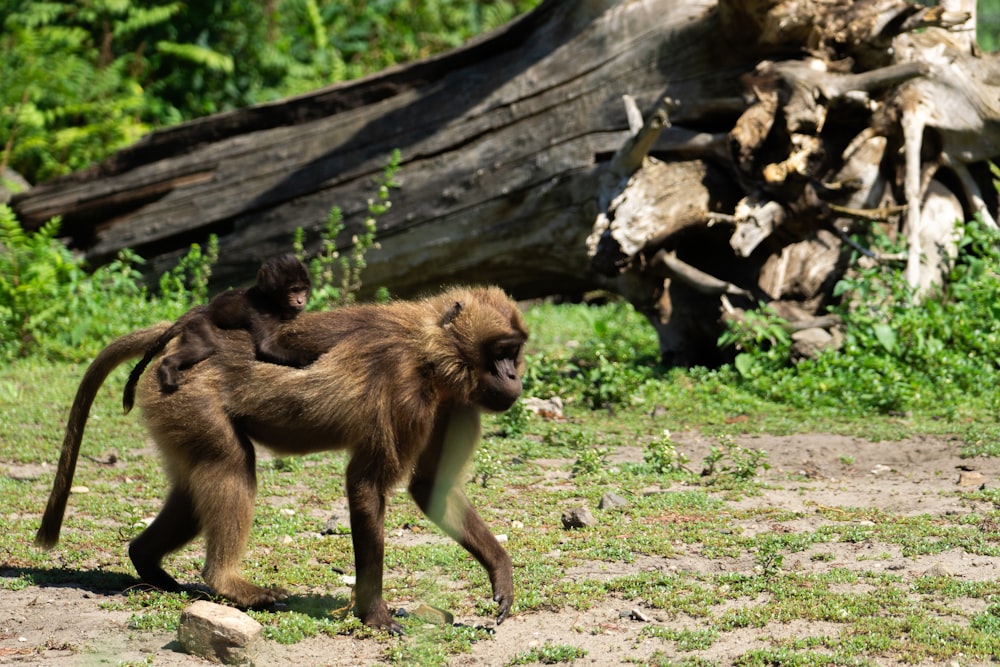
{"x":273,"y":353}
{"x":503,"y":591}
{"x":168,"y":376}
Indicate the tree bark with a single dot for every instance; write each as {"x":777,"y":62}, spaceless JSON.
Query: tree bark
{"x":542,"y":157}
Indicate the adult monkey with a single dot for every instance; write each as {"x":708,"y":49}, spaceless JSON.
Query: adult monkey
{"x":401,"y":387}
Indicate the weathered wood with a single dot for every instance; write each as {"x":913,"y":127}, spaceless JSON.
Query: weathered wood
{"x":501,"y":143}
{"x":541,"y":158}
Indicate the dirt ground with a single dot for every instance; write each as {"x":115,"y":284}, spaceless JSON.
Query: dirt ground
{"x":66,"y":626}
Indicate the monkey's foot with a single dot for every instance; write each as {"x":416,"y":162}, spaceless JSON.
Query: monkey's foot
{"x":156,"y":577}
{"x":246,"y":595}
{"x":379,"y":618}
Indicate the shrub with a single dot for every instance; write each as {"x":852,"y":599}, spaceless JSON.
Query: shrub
{"x":900,"y":352}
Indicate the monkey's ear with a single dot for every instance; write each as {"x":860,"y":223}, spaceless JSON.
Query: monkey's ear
{"x":449,"y":315}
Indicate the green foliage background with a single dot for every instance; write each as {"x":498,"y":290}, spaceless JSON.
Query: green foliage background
{"x":988,"y":24}
{"x":80,"y":79}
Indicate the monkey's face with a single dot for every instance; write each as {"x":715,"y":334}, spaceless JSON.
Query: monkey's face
{"x":296,"y":299}
{"x":285,"y":283}
{"x":500,"y":380}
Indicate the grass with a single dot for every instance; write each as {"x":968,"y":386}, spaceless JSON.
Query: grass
{"x":527,"y":472}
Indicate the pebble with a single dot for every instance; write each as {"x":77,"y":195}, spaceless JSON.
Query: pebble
{"x":939,"y":570}
{"x":971,"y":479}
{"x":219,"y":633}
{"x":429,"y":614}
{"x":611,"y":501}
{"x":578,"y":517}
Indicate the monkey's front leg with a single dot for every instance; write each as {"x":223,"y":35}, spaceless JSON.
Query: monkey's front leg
{"x":435,"y":487}
{"x":366,"y":500}
{"x":460,"y":521}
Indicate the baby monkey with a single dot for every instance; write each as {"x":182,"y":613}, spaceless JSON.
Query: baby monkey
{"x":280,"y":294}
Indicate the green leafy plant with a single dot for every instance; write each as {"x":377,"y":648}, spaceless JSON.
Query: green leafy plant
{"x":488,"y":466}
{"x":663,"y":457}
{"x":899,"y":351}
{"x":605,"y":368}
{"x":186,"y":284}
{"x":760,"y":340}
{"x":768,"y":560}
{"x":729,"y":462}
{"x":549,"y":654}
{"x":64,"y":103}
{"x":49,"y":305}
{"x":337,"y":277}
{"x":590,"y":461}
{"x":35,"y":271}
{"x":513,"y":422}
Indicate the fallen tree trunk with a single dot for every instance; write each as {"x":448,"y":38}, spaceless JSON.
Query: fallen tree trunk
{"x":542,"y":158}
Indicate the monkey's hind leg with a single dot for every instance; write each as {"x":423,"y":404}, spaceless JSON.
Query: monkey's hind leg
{"x":224,"y":487}
{"x":366,"y":502}
{"x":197,"y":343}
{"x":173,"y":527}
{"x":215,"y":496}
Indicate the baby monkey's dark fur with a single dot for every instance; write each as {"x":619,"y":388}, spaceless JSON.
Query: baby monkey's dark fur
{"x":281,"y":292}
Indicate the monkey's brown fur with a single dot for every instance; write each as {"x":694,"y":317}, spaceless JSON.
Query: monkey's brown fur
{"x":401,"y":388}
{"x":281,"y":293}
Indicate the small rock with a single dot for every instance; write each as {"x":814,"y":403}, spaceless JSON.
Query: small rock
{"x":501,"y":538}
{"x":939,"y":570}
{"x":79,"y":489}
{"x":551,"y":408}
{"x":881,"y":469}
{"x":286,"y":511}
{"x":637,"y":615}
{"x":219,"y":633}
{"x":334,"y":526}
{"x":971,"y":479}
{"x":611,"y":501}
{"x":578,"y":517}
{"x":429,"y":614}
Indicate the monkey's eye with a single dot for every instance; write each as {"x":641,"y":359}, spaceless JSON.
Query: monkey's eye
{"x":507,"y":352}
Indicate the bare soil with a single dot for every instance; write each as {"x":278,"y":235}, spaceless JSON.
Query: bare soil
{"x":65,"y":625}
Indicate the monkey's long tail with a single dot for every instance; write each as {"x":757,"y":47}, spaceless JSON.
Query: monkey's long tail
{"x":129,"y":346}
